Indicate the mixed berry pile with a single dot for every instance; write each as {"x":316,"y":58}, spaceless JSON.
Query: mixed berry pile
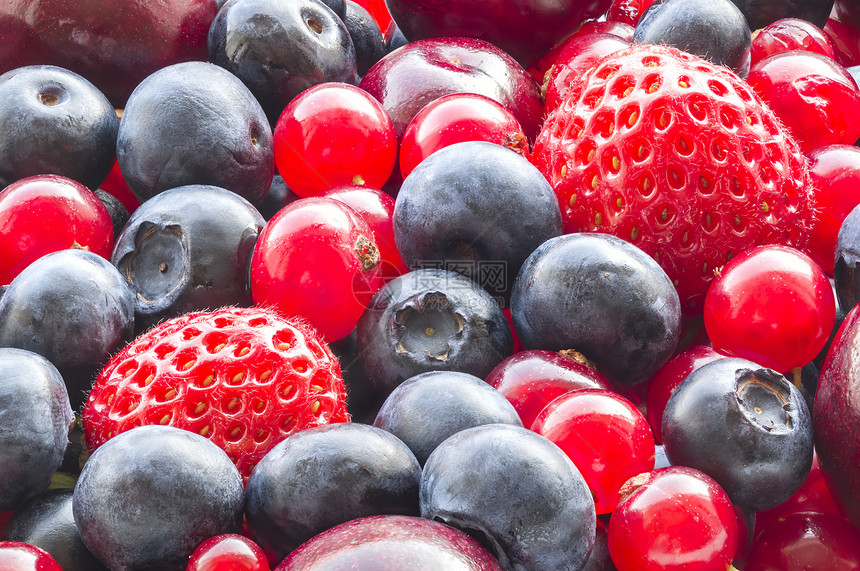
{"x":421,"y":284}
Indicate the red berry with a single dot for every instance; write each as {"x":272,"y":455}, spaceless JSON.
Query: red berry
{"x":806,"y":541}
{"x":772,"y":305}
{"x":317,"y":258}
{"x":678,"y":156}
{"x":789,"y":34}
{"x":228,"y":552}
{"x":246,"y":378}
{"x":532,"y":379}
{"x":377,"y":209}
{"x":815,"y":97}
{"x":627,"y":11}
{"x":457,"y":118}
{"x":607,"y":438}
{"x":673,"y":518}
{"x":834,"y":172}
{"x":667,"y":379}
{"x":47,"y":213}
{"x":18,"y":556}
{"x":334,"y":134}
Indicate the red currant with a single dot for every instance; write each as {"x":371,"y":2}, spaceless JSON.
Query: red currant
{"x":457,"y":118}
{"x":814,"y":96}
{"x":334,"y":134}
{"x":531,"y":379}
{"x":673,"y":519}
{"x":376,"y":208}
{"x":228,"y":552}
{"x":835,"y":175}
{"x":607,"y":438}
{"x":772,"y":305}
{"x":316,"y":258}
{"x":667,"y":379}
{"x":790,"y":34}
{"x":47,"y":213}
{"x":17,"y":556}
{"x":627,"y":11}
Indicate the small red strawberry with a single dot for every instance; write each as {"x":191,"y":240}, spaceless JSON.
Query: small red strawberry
{"x":246,"y":378}
{"x":678,"y":156}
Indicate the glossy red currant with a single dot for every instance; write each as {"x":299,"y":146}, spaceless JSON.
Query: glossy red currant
{"x":790,"y":34}
{"x":228,"y":552}
{"x":316,"y":258}
{"x":772,"y":305}
{"x":834,"y":171}
{"x":334,"y":134}
{"x":607,"y":438}
{"x":47,"y":213}
{"x":457,"y":118}
{"x":376,"y":208}
{"x":673,"y":519}
{"x":815,"y":97}
{"x":667,"y":379}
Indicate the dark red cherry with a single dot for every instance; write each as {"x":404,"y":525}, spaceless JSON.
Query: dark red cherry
{"x":113,"y":44}
{"x":806,"y":541}
{"x":530,"y":380}
{"x":526,"y":29}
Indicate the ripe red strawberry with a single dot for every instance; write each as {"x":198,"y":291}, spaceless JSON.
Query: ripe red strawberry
{"x":246,"y":378}
{"x":678,"y":156}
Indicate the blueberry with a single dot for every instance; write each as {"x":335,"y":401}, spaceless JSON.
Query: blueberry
{"x":35,"y":419}
{"x":366,"y":36}
{"x":149,"y":496}
{"x":514,"y":491}
{"x":73,"y":308}
{"x":278,"y":49}
{"x":431,"y":320}
{"x":278,"y":196}
{"x":428,"y":408}
{"x":601,"y":296}
{"x":324,"y":476}
{"x":188,"y":249}
{"x":846,"y":274}
{"x":715,"y":30}
{"x":745,"y":426}
{"x":395,"y":40}
{"x":47,"y":522}
{"x":195,"y":123}
{"x":363,"y":399}
{"x":55,"y":122}
{"x":477,"y":208}
{"x":117,"y":210}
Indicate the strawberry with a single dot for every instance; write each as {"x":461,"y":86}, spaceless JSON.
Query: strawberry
{"x":679,"y":157}
{"x":246,"y":378}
